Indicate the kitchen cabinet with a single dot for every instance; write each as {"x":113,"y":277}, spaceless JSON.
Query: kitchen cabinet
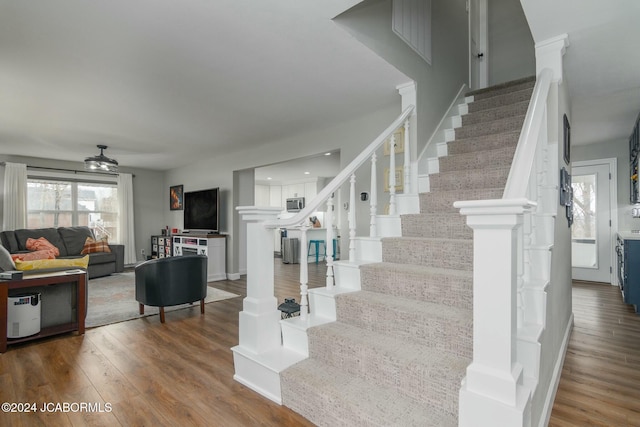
{"x":628,"y":253}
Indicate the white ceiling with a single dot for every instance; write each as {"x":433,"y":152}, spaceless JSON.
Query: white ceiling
{"x":322,"y":165}
{"x":602,"y":63}
{"x":165,"y":82}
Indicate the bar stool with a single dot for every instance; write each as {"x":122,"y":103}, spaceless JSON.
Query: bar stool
{"x":317,"y":244}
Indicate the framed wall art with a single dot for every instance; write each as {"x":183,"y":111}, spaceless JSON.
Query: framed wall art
{"x":567,"y":139}
{"x":175,"y":197}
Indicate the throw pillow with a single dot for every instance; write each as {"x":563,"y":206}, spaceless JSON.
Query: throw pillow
{"x":53,"y":263}
{"x":6,"y":262}
{"x":31,"y":256}
{"x":42,"y":244}
{"x":91,"y":245}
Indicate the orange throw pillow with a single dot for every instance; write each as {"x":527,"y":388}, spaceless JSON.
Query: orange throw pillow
{"x":91,"y":246}
{"x":32,"y":256}
{"x":42,"y":244}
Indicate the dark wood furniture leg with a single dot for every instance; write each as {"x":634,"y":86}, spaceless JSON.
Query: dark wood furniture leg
{"x":202,"y":306}
{"x":161,"y":314}
{"x":141,"y":308}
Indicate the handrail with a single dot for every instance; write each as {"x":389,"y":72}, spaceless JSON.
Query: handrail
{"x":342,"y":177}
{"x":523,"y":159}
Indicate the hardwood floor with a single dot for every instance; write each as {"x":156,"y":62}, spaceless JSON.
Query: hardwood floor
{"x":175,"y":374}
{"x":181,"y":373}
{"x":600,"y":382}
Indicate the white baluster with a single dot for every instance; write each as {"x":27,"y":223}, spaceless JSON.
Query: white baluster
{"x":328,"y":221}
{"x":373,"y":203}
{"x":407,"y":160}
{"x":392,"y":175}
{"x":352,"y":219}
{"x":304,"y":272}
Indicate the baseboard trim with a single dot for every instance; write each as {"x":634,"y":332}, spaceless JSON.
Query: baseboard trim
{"x":233,"y":276}
{"x":555,"y":379}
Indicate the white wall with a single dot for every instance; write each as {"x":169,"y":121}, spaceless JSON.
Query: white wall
{"x":148,"y":190}
{"x":511,"y":47}
{"x":559,"y":305}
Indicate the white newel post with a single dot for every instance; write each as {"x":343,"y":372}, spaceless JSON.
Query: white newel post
{"x":492,"y":392}
{"x":259,"y":328}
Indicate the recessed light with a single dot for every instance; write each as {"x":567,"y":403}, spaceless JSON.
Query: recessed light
{"x":268,"y":178}
{"x":327,"y":154}
{"x":307,"y":173}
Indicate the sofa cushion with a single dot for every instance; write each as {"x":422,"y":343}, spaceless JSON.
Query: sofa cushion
{"x":101,"y":258}
{"x":6,"y":262}
{"x":42,"y":244}
{"x":51,"y":234}
{"x":74,"y":238}
{"x":53,"y":263}
{"x":9,"y":241}
{"x":91,"y":246}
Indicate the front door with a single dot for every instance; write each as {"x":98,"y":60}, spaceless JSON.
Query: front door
{"x":591,"y":232}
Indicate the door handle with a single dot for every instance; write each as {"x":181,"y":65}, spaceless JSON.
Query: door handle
{"x":480,"y":55}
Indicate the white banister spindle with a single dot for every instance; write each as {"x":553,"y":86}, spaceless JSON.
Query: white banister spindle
{"x":373,"y":201}
{"x":328,"y":221}
{"x":407,"y":160}
{"x":352,"y":219}
{"x":304,"y":272}
{"x":392,"y":175}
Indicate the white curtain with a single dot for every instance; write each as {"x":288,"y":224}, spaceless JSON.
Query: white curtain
{"x":14,"y":212}
{"x":127,"y":235}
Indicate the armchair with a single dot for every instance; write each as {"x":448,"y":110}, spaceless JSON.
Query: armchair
{"x":164,"y":282}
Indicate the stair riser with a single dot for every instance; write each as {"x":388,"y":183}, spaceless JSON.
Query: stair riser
{"x":454,"y":336}
{"x":471,"y":179}
{"x":443,"y":201}
{"x":501,"y":100}
{"x":486,"y":142}
{"x":439,"y":288}
{"x":451,"y":226}
{"x":517,"y":109}
{"x":496,"y":158}
{"x":509,"y":124}
{"x":418,"y":379}
{"x":438,"y":253}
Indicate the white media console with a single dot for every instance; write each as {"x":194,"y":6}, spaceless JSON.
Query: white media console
{"x":211,"y":245}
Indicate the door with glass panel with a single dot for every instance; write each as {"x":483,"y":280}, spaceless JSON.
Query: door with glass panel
{"x":591,"y":230}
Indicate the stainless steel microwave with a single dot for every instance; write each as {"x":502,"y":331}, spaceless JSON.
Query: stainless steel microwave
{"x":295,"y":204}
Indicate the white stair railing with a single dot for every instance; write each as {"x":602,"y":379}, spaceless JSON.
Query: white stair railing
{"x":259,"y":328}
{"x":511,"y":263}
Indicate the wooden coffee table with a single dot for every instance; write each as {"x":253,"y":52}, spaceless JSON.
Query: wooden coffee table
{"x":78,"y":277}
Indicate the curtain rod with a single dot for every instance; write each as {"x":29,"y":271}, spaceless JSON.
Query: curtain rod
{"x":69,"y":170}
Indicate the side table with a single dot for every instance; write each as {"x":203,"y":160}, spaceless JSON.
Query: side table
{"x":78,"y":277}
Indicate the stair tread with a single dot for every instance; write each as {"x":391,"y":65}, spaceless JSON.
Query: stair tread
{"x":328,"y":397}
{"x":400,"y":349}
{"x":510,"y":84}
{"x":419,"y":269}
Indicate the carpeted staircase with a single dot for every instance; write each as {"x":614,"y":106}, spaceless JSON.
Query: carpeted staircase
{"x":400,"y":347}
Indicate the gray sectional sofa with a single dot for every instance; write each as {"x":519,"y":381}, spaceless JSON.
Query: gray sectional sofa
{"x":70,"y":241}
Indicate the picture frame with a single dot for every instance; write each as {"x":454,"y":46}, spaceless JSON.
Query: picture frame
{"x":399,"y":135}
{"x":567,"y":139}
{"x":399,"y":179}
{"x":176,"y":194}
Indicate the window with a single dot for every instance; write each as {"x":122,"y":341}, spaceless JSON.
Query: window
{"x":63,"y":203}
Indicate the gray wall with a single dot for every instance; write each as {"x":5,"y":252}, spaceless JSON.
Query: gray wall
{"x":148,"y":193}
{"x":511,"y":47}
{"x":438,"y":83}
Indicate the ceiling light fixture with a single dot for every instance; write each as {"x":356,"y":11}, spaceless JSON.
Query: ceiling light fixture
{"x":327,"y":154}
{"x":101,"y":163}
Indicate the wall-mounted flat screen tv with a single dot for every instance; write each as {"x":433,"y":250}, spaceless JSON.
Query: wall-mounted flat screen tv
{"x":201,"y":210}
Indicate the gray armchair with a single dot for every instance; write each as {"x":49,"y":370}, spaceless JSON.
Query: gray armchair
{"x":164,"y":282}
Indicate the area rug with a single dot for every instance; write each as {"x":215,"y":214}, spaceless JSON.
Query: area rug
{"x":112,"y":299}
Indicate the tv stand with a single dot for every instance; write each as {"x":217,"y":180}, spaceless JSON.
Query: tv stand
{"x":211,"y":245}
